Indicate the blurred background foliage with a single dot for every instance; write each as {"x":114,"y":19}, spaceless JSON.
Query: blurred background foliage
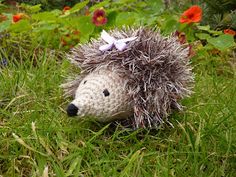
{"x":217,"y":13}
{"x":62,"y":24}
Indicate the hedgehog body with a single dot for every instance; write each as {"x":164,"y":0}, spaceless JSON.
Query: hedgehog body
{"x":143,"y":83}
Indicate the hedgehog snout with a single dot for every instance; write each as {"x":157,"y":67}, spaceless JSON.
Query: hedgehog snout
{"x":72,"y":110}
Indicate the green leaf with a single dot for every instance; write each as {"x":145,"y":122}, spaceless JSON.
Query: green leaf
{"x":123,"y":2}
{"x":35,"y":8}
{"x":77,"y":7}
{"x":112,"y":18}
{"x":155,"y":6}
{"x":99,"y":5}
{"x":4,"y":25}
{"x":141,"y":4}
{"x":46,"y":26}
{"x":182,"y":26}
{"x":31,"y":9}
{"x":170,"y":25}
{"x":83,"y":24}
{"x":45,"y":16}
{"x":222,"y":42}
{"x":204,"y":28}
{"x":203,"y":36}
{"x":20,"y":26}
{"x":126,"y":18}
{"x":207,"y":28}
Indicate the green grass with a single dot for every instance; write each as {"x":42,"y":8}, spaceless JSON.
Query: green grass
{"x":37,"y":138}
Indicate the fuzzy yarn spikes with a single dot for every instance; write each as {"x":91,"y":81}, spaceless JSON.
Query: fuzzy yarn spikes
{"x":157,"y":69}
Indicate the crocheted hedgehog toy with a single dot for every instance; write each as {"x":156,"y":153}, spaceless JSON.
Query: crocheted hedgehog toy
{"x":129,"y":74}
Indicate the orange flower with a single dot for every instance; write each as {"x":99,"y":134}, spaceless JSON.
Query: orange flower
{"x":17,"y":17}
{"x":230,"y":32}
{"x":66,"y":8}
{"x":99,"y":17}
{"x":192,"y":15}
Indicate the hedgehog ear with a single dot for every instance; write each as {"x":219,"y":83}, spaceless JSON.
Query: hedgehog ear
{"x":71,"y":86}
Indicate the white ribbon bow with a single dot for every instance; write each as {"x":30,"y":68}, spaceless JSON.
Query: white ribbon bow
{"x":120,"y":44}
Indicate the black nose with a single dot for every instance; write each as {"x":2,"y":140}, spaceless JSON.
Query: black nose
{"x":72,"y":110}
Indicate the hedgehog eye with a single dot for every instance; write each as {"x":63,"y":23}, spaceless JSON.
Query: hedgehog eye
{"x":106,"y":92}
{"x":85,"y":82}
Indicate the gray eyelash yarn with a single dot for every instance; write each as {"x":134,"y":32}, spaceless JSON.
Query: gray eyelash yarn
{"x":156,"y":68}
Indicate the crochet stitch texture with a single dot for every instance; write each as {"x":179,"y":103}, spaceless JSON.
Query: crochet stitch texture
{"x":154,"y":71}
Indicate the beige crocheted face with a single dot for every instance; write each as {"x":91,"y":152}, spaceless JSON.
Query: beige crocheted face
{"x":102,"y":95}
